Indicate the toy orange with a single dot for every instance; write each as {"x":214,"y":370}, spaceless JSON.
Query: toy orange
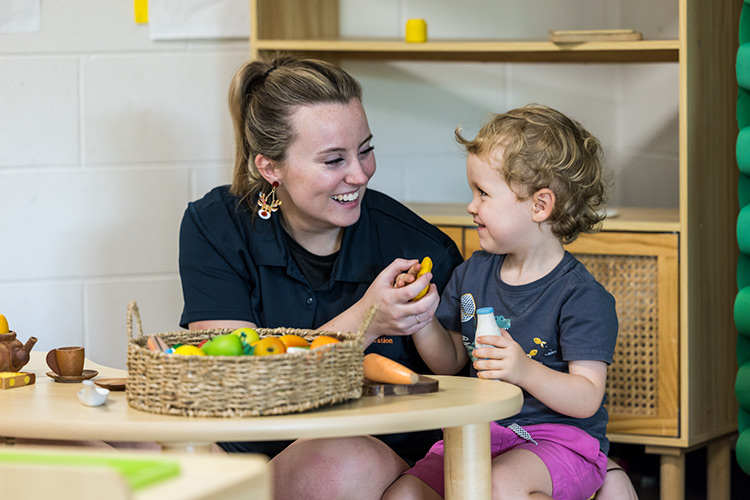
{"x":293,"y":341}
{"x":269,"y":345}
{"x":323,"y":340}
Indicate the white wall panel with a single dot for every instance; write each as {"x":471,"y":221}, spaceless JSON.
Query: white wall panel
{"x":159,"y":301}
{"x":39,"y":111}
{"x":98,"y":222}
{"x":170,"y":107}
{"x":50,"y":311}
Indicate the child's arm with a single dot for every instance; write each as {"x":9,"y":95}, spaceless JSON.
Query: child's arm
{"x":577,"y":394}
{"x":442,"y":350}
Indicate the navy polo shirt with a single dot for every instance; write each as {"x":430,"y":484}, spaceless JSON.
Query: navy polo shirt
{"x":234,"y":267}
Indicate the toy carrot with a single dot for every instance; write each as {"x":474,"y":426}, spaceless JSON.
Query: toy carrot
{"x":378,"y":368}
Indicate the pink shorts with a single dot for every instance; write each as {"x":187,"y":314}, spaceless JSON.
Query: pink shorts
{"x":572,"y":456}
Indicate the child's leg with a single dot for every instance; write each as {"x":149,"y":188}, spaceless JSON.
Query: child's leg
{"x":519,"y":473}
{"x":409,"y":487}
{"x":575,"y":466}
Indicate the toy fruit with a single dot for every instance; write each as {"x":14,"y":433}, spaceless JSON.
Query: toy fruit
{"x":293,"y":341}
{"x":323,"y":340}
{"x":269,"y":345}
{"x":224,"y":345}
{"x":4,"y":328}
{"x":247,"y":335}
{"x":426,"y":268}
{"x":189,"y":350}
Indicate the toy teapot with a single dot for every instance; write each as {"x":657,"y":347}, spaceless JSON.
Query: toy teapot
{"x":13,"y":354}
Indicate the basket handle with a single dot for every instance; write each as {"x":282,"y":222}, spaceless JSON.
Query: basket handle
{"x":367,"y":320}
{"x":133,"y":311}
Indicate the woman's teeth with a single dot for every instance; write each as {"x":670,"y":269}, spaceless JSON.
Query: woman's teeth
{"x":342,"y":198}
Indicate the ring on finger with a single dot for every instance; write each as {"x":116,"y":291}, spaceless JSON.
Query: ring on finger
{"x":416,"y":316}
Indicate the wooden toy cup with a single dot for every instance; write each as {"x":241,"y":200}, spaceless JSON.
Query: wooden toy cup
{"x":66,"y":361}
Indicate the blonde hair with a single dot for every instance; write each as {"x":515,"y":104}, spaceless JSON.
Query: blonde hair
{"x":262,"y":97}
{"x":543,"y":148}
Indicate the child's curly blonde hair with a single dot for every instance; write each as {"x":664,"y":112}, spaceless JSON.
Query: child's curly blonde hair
{"x":543,"y":148}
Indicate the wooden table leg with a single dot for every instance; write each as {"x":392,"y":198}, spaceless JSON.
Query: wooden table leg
{"x":185,"y":447}
{"x":718,"y":457}
{"x":468,"y":462}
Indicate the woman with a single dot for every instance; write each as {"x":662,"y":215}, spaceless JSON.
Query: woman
{"x":297,"y":240}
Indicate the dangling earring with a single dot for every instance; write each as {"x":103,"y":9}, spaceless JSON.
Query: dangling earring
{"x":266,"y":207}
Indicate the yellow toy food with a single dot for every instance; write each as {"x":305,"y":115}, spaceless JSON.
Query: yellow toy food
{"x":247,"y":334}
{"x":426,"y":268}
{"x":4,"y":328}
{"x":189,"y":350}
{"x":322,"y":340}
{"x":386,"y":371}
{"x":293,"y":341}
{"x":267,"y":346}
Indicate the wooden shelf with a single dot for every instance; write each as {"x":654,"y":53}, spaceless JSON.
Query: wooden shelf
{"x":652,"y":220}
{"x":481,"y":50}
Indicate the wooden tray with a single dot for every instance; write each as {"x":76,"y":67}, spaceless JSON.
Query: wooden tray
{"x":425,"y":385}
{"x":580,"y":36}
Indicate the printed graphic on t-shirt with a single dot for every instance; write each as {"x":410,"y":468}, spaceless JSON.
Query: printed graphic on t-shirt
{"x":468,"y":307}
{"x":543,"y":349}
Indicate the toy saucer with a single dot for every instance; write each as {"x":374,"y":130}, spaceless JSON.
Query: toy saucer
{"x":113,"y":384}
{"x":68,"y":379}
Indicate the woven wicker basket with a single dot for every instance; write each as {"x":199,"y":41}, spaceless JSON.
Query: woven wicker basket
{"x":242,"y":386}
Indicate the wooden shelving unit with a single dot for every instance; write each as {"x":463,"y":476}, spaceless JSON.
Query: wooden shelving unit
{"x":693,"y":244}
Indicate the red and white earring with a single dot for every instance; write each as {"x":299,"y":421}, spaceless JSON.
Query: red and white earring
{"x":268,"y":207}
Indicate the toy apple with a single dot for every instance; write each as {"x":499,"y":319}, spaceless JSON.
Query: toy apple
{"x":224,"y":345}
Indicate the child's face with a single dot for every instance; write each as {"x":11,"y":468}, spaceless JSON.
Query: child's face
{"x":504,"y":221}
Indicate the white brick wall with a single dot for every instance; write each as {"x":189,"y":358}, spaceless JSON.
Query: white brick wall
{"x":105,"y":135}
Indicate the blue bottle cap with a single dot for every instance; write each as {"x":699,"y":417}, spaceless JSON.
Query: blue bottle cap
{"x":485,"y":310}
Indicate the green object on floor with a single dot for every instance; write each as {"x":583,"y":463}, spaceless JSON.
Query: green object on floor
{"x":743,"y":350}
{"x":743,"y":451}
{"x":743,"y":230}
{"x":138,"y":472}
{"x":742,"y":387}
{"x":742,"y":312}
{"x":743,"y":271}
{"x":743,"y":420}
{"x":743,"y":188}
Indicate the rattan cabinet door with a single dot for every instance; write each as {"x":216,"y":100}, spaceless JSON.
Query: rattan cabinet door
{"x":641,"y":271}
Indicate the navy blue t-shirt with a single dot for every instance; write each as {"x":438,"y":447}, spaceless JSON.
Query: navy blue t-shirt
{"x":236,"y":266}
{"x":564,"y":316}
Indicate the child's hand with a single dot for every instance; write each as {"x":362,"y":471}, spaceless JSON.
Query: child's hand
{"x":505,"y":360}
{"x":408,"y":277}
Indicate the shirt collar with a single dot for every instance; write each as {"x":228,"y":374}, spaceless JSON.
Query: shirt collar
{"x":357,"y":260}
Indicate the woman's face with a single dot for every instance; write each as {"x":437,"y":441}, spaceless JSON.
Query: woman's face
{"x":327,"y":169}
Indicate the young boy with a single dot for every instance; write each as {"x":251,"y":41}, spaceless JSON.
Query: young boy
{"x":537,"y":183}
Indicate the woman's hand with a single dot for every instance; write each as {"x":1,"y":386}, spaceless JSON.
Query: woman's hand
{"x":408,"y":277}
{"x":505,"y":360}
{"x":397,"y":315}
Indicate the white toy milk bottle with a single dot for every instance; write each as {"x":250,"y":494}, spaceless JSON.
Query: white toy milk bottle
{"x":486,"y":325}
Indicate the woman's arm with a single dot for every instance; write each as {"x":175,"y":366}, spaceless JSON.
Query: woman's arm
{"x":396,"y":314}
{"x":220,"y":323}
